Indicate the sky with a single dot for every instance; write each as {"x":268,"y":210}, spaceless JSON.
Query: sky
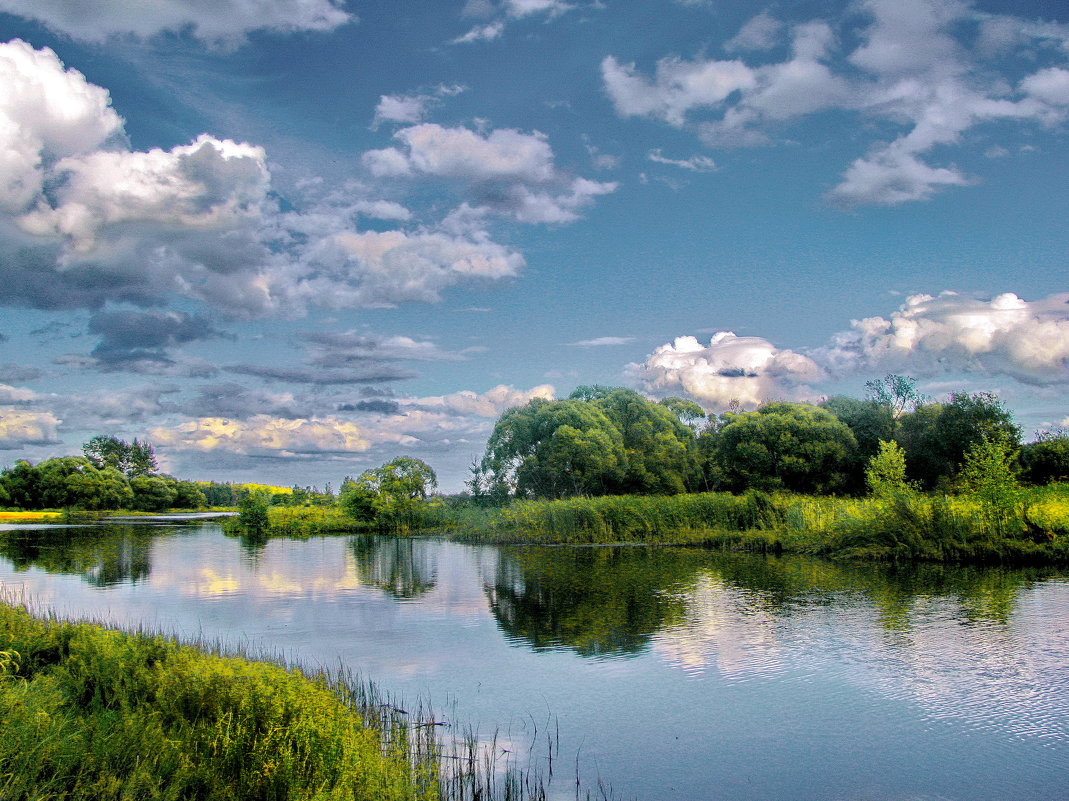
{"x":289,"y":240}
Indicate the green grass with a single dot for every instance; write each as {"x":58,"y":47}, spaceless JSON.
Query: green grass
{"x":300,"y":522}
{"x":91,"y":713}
{"x":910,"y":527}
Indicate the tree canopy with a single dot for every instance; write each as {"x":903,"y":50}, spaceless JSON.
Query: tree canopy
{"x":599,"y":441}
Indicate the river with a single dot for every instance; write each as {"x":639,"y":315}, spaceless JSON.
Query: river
{"x":667,"y":674}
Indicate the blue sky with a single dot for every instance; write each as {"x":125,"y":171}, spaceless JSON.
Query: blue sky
{"x":289,"y":240}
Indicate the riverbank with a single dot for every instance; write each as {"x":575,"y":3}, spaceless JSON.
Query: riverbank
{"x":92,"y":713}
{"x":909,"y":527}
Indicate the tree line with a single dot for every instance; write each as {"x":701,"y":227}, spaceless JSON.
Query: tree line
{"x":613,"y":441}
{"x":110,"y":474}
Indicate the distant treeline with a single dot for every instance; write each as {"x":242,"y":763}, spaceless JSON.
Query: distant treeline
{"x":610,"y":441}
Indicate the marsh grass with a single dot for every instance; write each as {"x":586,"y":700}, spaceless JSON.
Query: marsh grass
{"x":94,"y":713}
{"x":899,"y":526}
{"x":300,"y":522}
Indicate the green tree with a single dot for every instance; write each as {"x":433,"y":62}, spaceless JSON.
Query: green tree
{"x":252,"y":511}
{"x":1047,"y":459}
{"x":790,"y":446}
{"x":99,"y":489}
{"x":188,"y":495}
{"x":896,"y":393}
{"x":396,"y":493}
{"x":885,"y":473}
{"x":599,"y":441}
{"x":871,"y":423}
{"x":936,"y":436}
{"x":153,"y":493}
{"x":131,"y":459}
{"x":989,"y":475}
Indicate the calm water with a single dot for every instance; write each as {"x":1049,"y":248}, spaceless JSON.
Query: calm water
{"x":671,"y":673}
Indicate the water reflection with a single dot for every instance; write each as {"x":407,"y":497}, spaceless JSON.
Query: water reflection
{"x":595,"y":601}
{"x":611,"y":601}
{"x":403,"y":568}
{"x":104,"y":556}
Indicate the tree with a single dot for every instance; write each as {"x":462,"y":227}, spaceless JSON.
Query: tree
{"x":395,"y":493}
{"x":599,"y":441}
{"x":1047,"y":459}
{"x":790,"y":446}
{"x":936,"y":436}
{"x":871,"y":423}
{"x":896,"y":393}
{"x":153,"y":493}
{"x":131,"y":459}
{"x":885,"y":473}
{"x":989,"y":475}
{"x":252,"y":511}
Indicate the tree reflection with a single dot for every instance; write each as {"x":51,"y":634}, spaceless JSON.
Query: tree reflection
{"x":612,"y":600}
{"x":596,"y":601}
{"x":399,"y":566}
{"x":104,"y":556}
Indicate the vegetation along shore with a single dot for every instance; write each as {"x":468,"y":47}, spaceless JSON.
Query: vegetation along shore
{"x":892,"y":476}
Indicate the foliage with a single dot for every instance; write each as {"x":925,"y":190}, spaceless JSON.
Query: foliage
{"x":391,"y":496}
{"x":871,"y":423}
{"x":252,"y":511}
{"x":885,"y":473}
{"x":989,"y":475}
{"x":896,"y":393}
{"x":132,"y":459}
{"x":1046,"y":459}
{"x":789,"y":446}
{"x":91,"y":714}
{"x":936,"y":437}
{"x":599,"y":441}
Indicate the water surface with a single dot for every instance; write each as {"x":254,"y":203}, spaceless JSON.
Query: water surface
{"x":670,"y":673}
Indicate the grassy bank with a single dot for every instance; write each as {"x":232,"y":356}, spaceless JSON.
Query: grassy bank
{"x":90,"y":713}
{"x":910,"y":527}
{"x":300,"y":522}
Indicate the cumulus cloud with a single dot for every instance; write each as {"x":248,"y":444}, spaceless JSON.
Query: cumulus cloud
{"x":744,"y":370}
{"x":505,"y":170}
{"x":85,"y":221}
{"x":1028,"y":340}
{"x":220,"y":21}
{"x":912,"y":70}
{"x":21,"y":427}
{"x":506,"y":11}
{"x":12,"y":395}
{"x":438,"y":422}
{"x":409,"y":109}
{"x":262,"y":435}
{"x":461,"y":153}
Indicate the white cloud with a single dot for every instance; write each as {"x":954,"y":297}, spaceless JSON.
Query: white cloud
{"x":221,"y":20}
{"x":387,"y":267}
{"x":437,"y":422}
{"x":913,"y":70}
{"x":1005,"y":335}
{"x":20,"y":427}
{"x":694,"y":163}
{"x":262,"y":435}
{"x":90,"y":221}
{"x":400,"y":108}
{"x":490,"y":404}
{"x":461,"y":153}
{"x":210,"y":184}
{"x":748,"y":370}
{"x":678,"y":88}
{"x":600,"y":342}
{"x":760,"y":33}
{"x":506,"y":170}
{"x":46,"y":113}
{"x":482,"y":33}
{"x":10,"y":395}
